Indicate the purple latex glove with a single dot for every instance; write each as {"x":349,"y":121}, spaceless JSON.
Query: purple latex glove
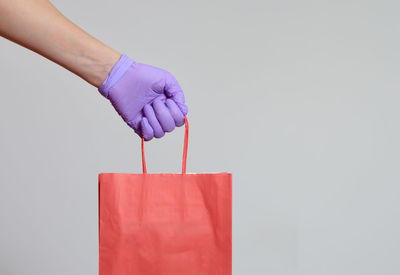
{"x":149,"y":99}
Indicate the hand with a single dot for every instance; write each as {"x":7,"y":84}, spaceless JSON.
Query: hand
{"x":148,"y":99}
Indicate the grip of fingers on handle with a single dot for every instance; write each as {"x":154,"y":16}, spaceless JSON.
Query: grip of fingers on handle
{"x":185,"y":146}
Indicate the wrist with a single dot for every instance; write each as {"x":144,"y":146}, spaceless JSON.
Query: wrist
{"x":98,"y":66}
{"x":115,"y":74}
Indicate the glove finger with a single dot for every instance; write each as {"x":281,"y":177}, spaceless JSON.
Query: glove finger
{"x":174,"y":91}
{"x":147,"y":131}
{"x":175,"y":112}
{"x":179,"y":99}
{"x":152,"y":119}
{"x":163,"y":115}
{"x":135,"y":124}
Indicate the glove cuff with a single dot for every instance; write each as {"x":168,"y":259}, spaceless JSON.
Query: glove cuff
{"x":117,"y":71}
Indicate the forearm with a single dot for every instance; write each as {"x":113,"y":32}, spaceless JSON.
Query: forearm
{"x":39,"y":26}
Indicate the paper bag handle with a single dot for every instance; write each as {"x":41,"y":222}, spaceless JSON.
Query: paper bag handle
{"x":185,"y":146}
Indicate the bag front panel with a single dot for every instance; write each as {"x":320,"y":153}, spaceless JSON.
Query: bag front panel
{"x":165,"y":224}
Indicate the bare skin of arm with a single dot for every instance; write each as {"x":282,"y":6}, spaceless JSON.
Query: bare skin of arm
{"x":40,"y":27}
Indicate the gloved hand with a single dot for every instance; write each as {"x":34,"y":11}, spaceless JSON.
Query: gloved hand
{"x":148,"y":99}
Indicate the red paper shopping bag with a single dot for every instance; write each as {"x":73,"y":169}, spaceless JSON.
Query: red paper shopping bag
{"x":165,"y":224}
